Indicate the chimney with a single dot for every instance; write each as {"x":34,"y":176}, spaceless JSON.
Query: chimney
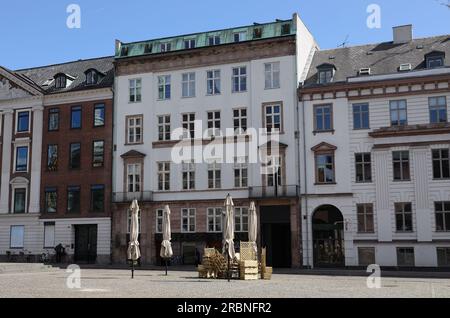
{"x":403,"y":34}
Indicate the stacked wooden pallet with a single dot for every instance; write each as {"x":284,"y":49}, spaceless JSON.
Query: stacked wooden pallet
{"x":266,"y":272}
{"x":248,"y":270}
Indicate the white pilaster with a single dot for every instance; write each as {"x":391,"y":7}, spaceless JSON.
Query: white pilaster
{"x":6,"y":160}
{"x":383,"y":211}
{"x":35,"y":183}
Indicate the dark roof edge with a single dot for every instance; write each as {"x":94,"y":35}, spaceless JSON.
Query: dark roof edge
{"x":64,"y":63}
{"x":378,"y":43}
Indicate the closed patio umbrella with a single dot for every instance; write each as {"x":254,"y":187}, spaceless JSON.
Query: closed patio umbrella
{"x":253,"y":226}
{"x":228,"y":231}
{"x":134,"y":252}
{"x":166,"y":245}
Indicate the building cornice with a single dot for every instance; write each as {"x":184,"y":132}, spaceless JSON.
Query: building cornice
{"x":208,"y":56}
{"x":378,"y":89}
{"x":78,"y":96}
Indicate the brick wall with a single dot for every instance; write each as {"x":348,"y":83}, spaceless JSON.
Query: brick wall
{"x":87,"y":175}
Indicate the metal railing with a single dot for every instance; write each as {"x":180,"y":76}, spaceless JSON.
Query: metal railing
{"x":281,"y":191}
{"x":123,"y":197}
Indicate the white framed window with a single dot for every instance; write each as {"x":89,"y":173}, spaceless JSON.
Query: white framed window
{"x":272,"y":118}
{"x":165,"y":47}
{"x":134,"y":129}
{"x":19,"y":199}
{"x":164,"y":127}
{"x":274,"y":176}
{"x":134,"y":177}
{"x":240,"y":120}
{"x":240,"y":36}
{"x":21,"y":158}
{"x":188,"y":220}
{"x":214,"y":40}
{"x":188,"y":122}
{"x":163,"y":176}
{"x":17,"y":233}
{"x":189,"y":44}
{"x":188,"y":175}
{"x":159,"y":220}
{"x":188,"y":84}
{"x":213,"y":123}
{"x":241,"y":172}
{"x":239,"y":79}
{"x":135,"y":90}
{"x":325,"y":76}
{"x":214,"y":220}
{"x":129,"y":221}
{"x":23,"y":121}
{"x":241,"y":219}
{"x":214,"y":175}
{"x":272,"y":75}
{"x":49,"y":234}
{"x":164,"y":87}
{"x":213,"y":82}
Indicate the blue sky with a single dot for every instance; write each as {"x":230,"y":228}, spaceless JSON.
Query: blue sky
{"x":34,"y":33}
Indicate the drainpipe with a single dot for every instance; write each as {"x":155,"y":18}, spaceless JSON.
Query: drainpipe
{"x":305,"y":185}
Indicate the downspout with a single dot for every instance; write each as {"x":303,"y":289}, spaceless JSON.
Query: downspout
{"x":305,"y":184}
{"x":113,"y":175}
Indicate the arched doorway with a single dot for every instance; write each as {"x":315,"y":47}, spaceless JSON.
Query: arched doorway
{"x":328,"y":237}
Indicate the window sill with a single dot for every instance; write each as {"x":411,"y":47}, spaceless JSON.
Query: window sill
{"x":271,"y":88}
{"x":405,"y":180}
{"x":133,"y":144}
{"x":365,"y":128}
{"x":315,"y":132}
{"x":327,"y":183}
{"x":364,"y":182}
{"x":185,"y":97}
{"x":238,"y":92}
{"x":217,"y":94}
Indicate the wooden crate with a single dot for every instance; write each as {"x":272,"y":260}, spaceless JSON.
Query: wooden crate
{"x":249,"y":277}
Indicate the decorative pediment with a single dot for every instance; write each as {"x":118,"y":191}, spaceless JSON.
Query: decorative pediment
{"x":10,"y":91}
{"x":133,"y":154}
{"x":19,"y":181}
{"x":14,"y":85}
{"x":323,"y":146}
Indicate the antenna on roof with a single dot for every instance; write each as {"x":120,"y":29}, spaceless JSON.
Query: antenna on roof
{"x":344,"y":44}
{"x":256,"y":23}
{"x":278,"y":20}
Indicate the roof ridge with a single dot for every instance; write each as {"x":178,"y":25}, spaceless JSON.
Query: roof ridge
{"x":64,"y":63}
{"x":378,"y":43}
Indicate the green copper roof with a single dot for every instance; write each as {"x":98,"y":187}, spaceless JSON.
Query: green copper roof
{"x":254,"y":32}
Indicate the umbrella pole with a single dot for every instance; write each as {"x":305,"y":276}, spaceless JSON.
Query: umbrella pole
{"x":229,"y":274}
{"x":132,"y":269}
{"x":166,"y":266}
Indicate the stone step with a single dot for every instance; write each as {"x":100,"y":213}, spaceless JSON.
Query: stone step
{"x":25,"y":268}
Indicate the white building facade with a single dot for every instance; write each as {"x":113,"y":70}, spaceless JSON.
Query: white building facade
{"x":21,"y":108}
{"x":376,"y":155}
{"x":240,"y":78}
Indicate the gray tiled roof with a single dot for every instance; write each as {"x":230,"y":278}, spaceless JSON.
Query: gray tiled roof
{"x":76,"y":69}
{"x":383,"y":58}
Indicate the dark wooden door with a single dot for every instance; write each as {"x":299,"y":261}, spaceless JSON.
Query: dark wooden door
{"x":86,"y":243}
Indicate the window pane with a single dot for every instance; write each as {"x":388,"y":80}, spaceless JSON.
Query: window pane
{"x":19,"y":200}
{"x":99,"y":115}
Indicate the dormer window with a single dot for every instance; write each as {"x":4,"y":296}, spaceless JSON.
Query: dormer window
{"x":60,"y":81}
{"x":91,"y":77}
{"x":325,"y":73}
{"x":435,"y":59}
